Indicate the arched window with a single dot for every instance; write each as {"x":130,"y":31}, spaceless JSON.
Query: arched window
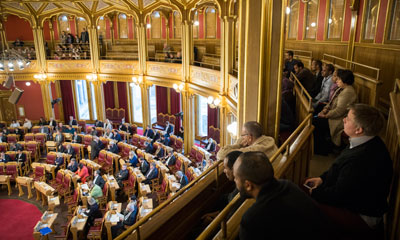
{"x":177,"y":25}
{"x":155,"y":19}
{"x":123,"y":26}
{"x":211,"y":23}
{"x":311,"y":19}
{"x":335,"y":19}
{"x":371,"y":19}
{"x":394,"y":31}
{"x":63,"y":23}
{"x":136,"y":97}
{"x":101,"y":27}
{"x":293,"y":18}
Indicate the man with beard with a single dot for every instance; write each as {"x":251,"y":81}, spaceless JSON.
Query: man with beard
{"x":282,"y":210}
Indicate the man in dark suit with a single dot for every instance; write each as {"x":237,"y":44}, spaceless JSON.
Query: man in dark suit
{"x":3,"y":138}
{"x":98,"y":123}
{"x":76,"y":138}
{"x":112,"y":147}
{"x":70,"y":150}
{"x":16,"y":147}
{"x":94,"y":148}
{"x":148,"y":132}
{"x":116,"y":136}
{"x":4,"y":158}
{"x":84,"y":36}
{"x":98,"y":180}
{"x":159,"y":154}
{"x":183,"y":180}
{"x":42,"y":121}
{"x":152,"y":174}
{"x":59,"y":161}
{"x":72,"y":121}
{"x":123,"y":127}
{"x":169,"y":128}
{"x":304,"y":75}
{"x":144,"y":166}
{"x":20,"y":157}
{"x":52,"y":123}
{"x":210,"y":147}
{"x":282,"y":210}
{"x":73,"y":165}
{"x":156,"y":136}
{"x":128,"y":218}
{"x":170,"y":159}
{"x":149,"y":147}
{"x":59,"y":138}
{"x":122,"y":175}
{"x":165,"y":140}
{"x":93,"y":212}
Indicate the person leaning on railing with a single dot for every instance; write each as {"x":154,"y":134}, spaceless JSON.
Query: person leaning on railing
{"x":281,"y":210}
{"x":251,"y":140}
{"x":357,"y":184}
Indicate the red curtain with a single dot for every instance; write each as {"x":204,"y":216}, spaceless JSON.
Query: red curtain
{"x":122,"y":99}
{"x":213,"y":115}
{"x":67,"y":98}
{"x":161,"y":100}
{"x":109,"y":95}
{"x":175,"y":107}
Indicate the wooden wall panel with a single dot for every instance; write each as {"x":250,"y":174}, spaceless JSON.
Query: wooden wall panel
{"x":319,"y":48}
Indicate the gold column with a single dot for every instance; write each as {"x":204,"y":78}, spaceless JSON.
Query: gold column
{"x":167,"y":28}
{"x":141,"y":30}
{"x":94,"y":48}
{"x":261,"y":44}
{"x":188,"y":109}
{"x":46,"y":98}
{"x":52,"y":42}
{"x":99,"y":98}
{"x":145,"y":104}
{"x":3,"y":34}
{"x":116,"y":100}
{"x":187,"y":49}
{"x":39,"y":48}
{"x":227,"y":51}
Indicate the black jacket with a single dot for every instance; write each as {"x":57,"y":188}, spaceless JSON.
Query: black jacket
{"x":95,"y":149}
{"x":99,"y":182}
{"x":70,"y":152}
{"x":144,"y":167}
{"x":76,"y":139}
{"x":359,"y":179}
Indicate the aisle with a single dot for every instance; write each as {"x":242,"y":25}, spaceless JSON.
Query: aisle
{"x":17,"y":219}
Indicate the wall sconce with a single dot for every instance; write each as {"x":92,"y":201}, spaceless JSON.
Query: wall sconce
{"x":178,"y":88}
{"x":288,"y":10}
{"x":91,"y":77}
{"x":148,"y":25}
{"x":136,"y":81}
{"x":214,"y":103}
{"x":196,"y":23}
{"x":232,"y":129}
{"x":40,"y":77}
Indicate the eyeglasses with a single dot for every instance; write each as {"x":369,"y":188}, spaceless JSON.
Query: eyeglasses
{"x":244,"y":134}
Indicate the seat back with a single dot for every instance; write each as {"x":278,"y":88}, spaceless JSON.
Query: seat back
{"x":134,"y":128}
{"x":135,"y":140}
{"x":87,"y":140}
{"x":217,"y":134}
{"x":29,"y":137}
{"x":59,"y":177}
{"x":12,"y":155}
{"x":102,"y":156}
{"x":109,"y":159}
{"x":199,"y":156}
{"x":90,"y":169}
{"x":3,"y":147}
{"x":2,"y":168}
{"x":82,"y":124}
{"x":121,"y":114}
{"x":160,"y":119}
{"x":12,"y":138}
{"x":189,"y":174}
{"x":51,"y":158}
{"x":108,"y":113}
{"x":40,"y":138}
{"x":35,"y":129}
{"x":178,"y":164}
{"x":210,"y":132}
{"x":100,"y":131}
{"x":115,"y":114}
{"x":105,"y":141}
{"x":11,"y":169}
{"x":39,"y":171}
{"x":31,"y":146}
{"x":125,"y":151}
{"x":193,"y":152}
{"x":66,"y":182}
{"x":179,"y":144}
{"x":77,"y":149}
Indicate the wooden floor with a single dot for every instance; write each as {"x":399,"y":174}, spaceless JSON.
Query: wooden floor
{"x":320,"y":164}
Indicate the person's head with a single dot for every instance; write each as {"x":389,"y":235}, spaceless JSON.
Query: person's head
{"x":251,"y":130}
{"x":298,"y":66}
{"x":148,"y":127}
{"x":91,"y":201}
{"x":71,"y":118}
{"x":84,"y":29}
{"x":19,"y":151}
{"x":179,"y":174}
{"x":80,"y":165}
{"x":229,"y":160}
{"x":327,"y":70}
{"x":26,"y":120}
{"x":131,"y":154}
{"x":289,"y":55}
{"x":251,"y":170}
{"x":90,"y":184}
{"x":1,"y":134}
{"x":124,"y":167}
{"x":210,"y":139}
{"x":73,"y":160}
{"x":165,"y":45}
{"x":363,"y":120}
{"x":13,"y":121}
{"x":69,"y":146}
{"x":2,"y":155}
{"x":97,"y":173}
{"x":59,"y":154}
{"x":316,"y":65}
{"x":344,"y":78}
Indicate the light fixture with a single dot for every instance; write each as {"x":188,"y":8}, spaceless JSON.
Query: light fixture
{"x":98,"y":27}
{"x":330,"y":20}
{"x":232,"y":129}
{"x":214,"y":103}
{"x":91,"y":77}
{"x":40,"y":76}
{"x":287,"y":10}
{"x":313,"y":24}
{"x":136,"y":81}
{"x":178,"y":88}
{"x":28,"y":84}
{"x":196,"y":23}
{"x":148,"y":25}
{"x":10,"y":59}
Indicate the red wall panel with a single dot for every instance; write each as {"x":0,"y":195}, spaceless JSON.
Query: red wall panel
{"x":359,"y":21}
{"x":108,"y":29}
{"x":16,"y":27}
{"x":321,"y":20}
{"x":218,"y":27}
{"x":171,"y":26}
{"x":201,"y":26}
{"x":347,"y":22}
{"x":54,"y":96}
{"x":31,"y":99}
{"x":46,"y":31}
{"x":148,"y":29}
{"x":115,"y":24}
{"x":130,"y":27}
{"x":381,"y":21}
{"x":55,"y":28}
{"x":301,"y":21}
{"x":72,"y":28}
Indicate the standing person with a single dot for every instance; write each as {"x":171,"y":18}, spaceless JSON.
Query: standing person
{"x":357,"y":184}
{"x":281,"y":210}
{"x":84,"y":36}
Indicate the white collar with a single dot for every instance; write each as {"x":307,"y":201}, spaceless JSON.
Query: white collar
{"x":357,"y":141}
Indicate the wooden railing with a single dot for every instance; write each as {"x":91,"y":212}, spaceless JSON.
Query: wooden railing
{"x":304,"y":56}
{"x":303,"y":100}
{"x":155,"y":220}
{"x":366,"y":78}
{"x":296,"y":151}
{"x":393,"y":145}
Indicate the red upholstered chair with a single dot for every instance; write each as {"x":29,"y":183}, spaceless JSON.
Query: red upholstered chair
{"x":129,"y":185}
{"x":115,"y":114}
{"x":104,"y":199}
{"x":179,"y":144}
{"x":100,"y":131}
{"x":51,"y":158}
{"x":12,"y":138}
{"x":102,"y":157}
{"x":96,"y":230}
{"x":72,"y":201}
{"x":57,"y":182}
{"x":210,"y":132}
{"x":199,"y":157}
{"x":121,"y":114}
{"x":142,"y":140}
{"x":87,"y":140}
{"x":178,"y":165}
{"x":189,"y":174}
{"x":124,"y":135}
{"x":172,"y":141}
{"x":35,"y":130}
{"x":108,"y":113}
{"x":160,"y":119}
{"x":11,"y":169}
{"x":33,"y":148}
{"x":82,"y":124}
{"x":105,"y":141}
{"x":217,"y":133}
{"x":125,"y":151}
{"x":135,"y":140}
{"x":11,"y":154}
{"x":134,"y":128}
{"x":3,"y":147}
{"x":90,"y":172}
{"x":29,"y":137}
{"x":172,"y":119}
{"x":38,"y":174}
{"x":65,"y":189}
{"x":192,"y":154}
{"x":78,"y":150}
{"x":41,"y":139}
{"x":162,"y":191}
{"x":108,"y":165}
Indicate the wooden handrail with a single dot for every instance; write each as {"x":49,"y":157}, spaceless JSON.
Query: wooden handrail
{"x":296,"y":80}
{"x":167,"y":202}
{"x":308,"y":53}
{"x":224,"y":213}
{"x":395,"y":105}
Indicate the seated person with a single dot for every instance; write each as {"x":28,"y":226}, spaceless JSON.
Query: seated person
{"x":357,"y":185}
{"x":14,"y":124}
{"x":169,"y":128}
{"x":108,"y":133}
{"x":122,"y":127}
{"x":133,"y":159}
{"x":42,"y":121}
{"x":95,"y":191}
{"x":165,"y":140}
{"x":59,"y":161}
{"x":92,"y":131}
{"x":159,"y":153}
{"x":76,"y":138}
{"x":170,"y":159}
{"x":72,"y":121}
{"x":61,"y":127}
{"x":116,"y":136}
{"x":70,"y":150}
{"x":148,"y":132}
{"x":93,"y":211}
{"x":44,"y":129}
{"x":144,"y":166}
{"x":149,"y":147}
{"x":60,"y":148}
{"x":3,"y":138}
{"x":289,"y":63}
{"x":156,"y":136}
{"x":69,"y":129}
{"x":52,"y":123}
{"x":19,"y":132}
{"x":151,"y":174}
{"x":15,"y":147}
{"x":98,"y":123}
{"x":73,"y":165}
{"x":122,"y":175}
{"x":82,"y":172}
{"x":59,"y":138}
{"x":112,"y":147}
{"x":180,"y":132}
{"x":304,"y":75}
{"x":27,"y":124}
{"x":95,"y":147}
{"x":183,"y":180}
{"x":20,"y":157}
{"x":210,"y":146}
{"x":108,"y":125}
{"x":98,"y":180}
{"x":4,"y":158}
{"x":128,"y":218}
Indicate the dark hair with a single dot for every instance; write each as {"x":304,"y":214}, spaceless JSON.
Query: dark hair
{"x":290,"y":53}
{"x":253,"y":128}
{"x":232,"y":156}
{"x":370,"y":119}
{"x":299,"y":64}
{"x":255,"y":167}
{"x":346,"y":76}
{"x":330,"y":67}
{"x":318,"y":63}
{"x":80,"y":165}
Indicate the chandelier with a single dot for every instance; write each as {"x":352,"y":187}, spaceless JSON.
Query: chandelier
{"x":213,"y":102}
{"x":10,"y":59}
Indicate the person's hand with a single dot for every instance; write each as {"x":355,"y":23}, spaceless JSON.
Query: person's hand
{"x":321,"y":115}
{"x":313,"y":183}
{"x":243,"y":142}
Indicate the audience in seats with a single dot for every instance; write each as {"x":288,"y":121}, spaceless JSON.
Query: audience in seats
{"x":149,"y":132}
{"x":144,"y":166}
{"x":322,"y":97}
{"x":14,"y":124}
{"x":18,"y":43}
{"x":52,"y":123}
{"x":3,"y":138}
{"x":281,"y":210}
{"x":169,"y":128}
{"x":356,"y":186}
{"x":70,"y":150}
{"x":59,"y":161}
{"x":4,"y":158}
{"x":98,"y":123}
{"x":92,"y":131}
{"x":133,"y":158}
{"x":19,"y":132}
{"x":42,"y":121}
{"x":93,"y":212}
{"x":95,"y":147}
{"x":289,"y":63}
{"x":316,"y":69}
{"x":159,"y":153}
{"x":128,"y":218}
{"x":304,"y":75}
{"x":210,"y":146}
{"x":72,"y":121}
{"x":329,"y":122}
{"x":27,"y":124}
{"x":76,"y":138}
{"x":151,"y":174}
{"x":15,"y":147}
{"x":82,"y":172}
{"x":183,"y":180}
{"x":149,"y":147}
{"x":170,"y":159}
{"x":108,"y":133}
{"x":116,"y":136}
{"x":73,"y":165}
{"x":122,"y":175}
{"x":251,"y":140}
{"x":20,"y":157}
{"x":95,"y":191}
{"x":112,"y":147}
{"x":98,"y":180}
{"x":165,"y":139}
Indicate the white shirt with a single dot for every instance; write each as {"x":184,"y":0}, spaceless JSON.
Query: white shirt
{"x":323,"y":95}
{"x":28,"y":124}
{"x":357,"y":141}
{"x":14,"y":125}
